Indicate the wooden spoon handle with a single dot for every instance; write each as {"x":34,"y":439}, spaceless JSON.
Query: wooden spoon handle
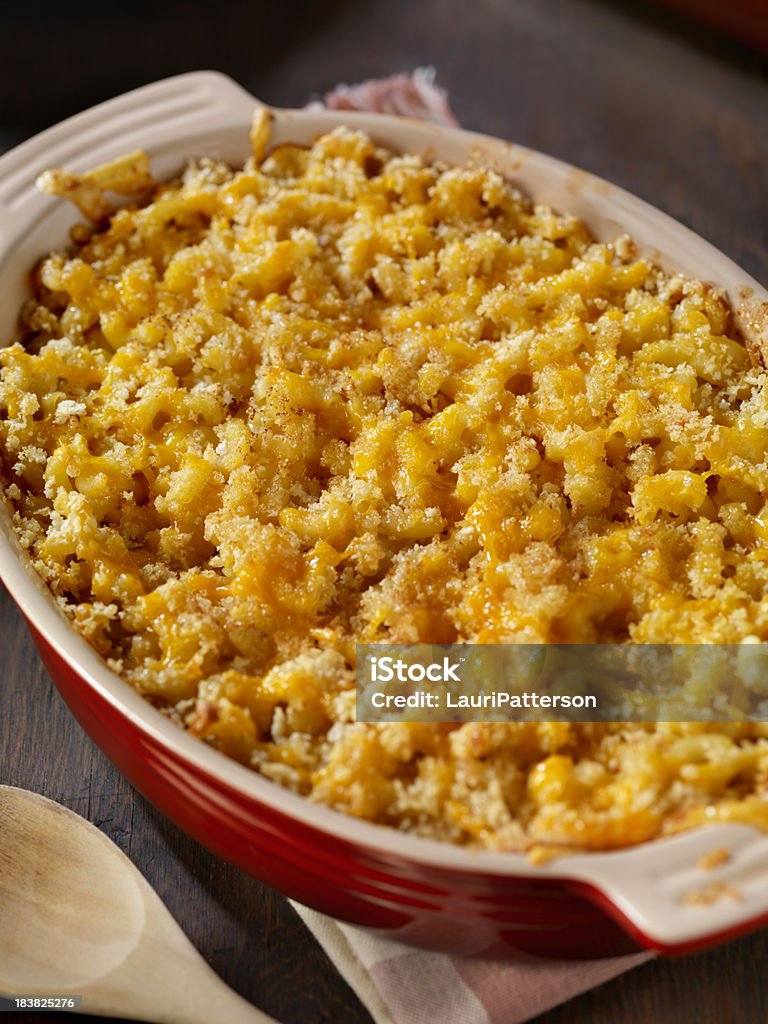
{"x":165,"y":980}
{"x":203,"y":1000}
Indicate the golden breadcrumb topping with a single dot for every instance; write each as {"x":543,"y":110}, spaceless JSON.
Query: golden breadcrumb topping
{"x":347,"y":396}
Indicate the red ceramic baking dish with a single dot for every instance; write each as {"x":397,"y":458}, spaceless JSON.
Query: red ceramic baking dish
{"x":416,"y":890}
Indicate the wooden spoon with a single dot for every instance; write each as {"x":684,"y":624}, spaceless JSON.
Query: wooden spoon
{"x":77,"y":918}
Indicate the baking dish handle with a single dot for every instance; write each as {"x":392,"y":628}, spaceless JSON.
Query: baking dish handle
{"x":673,"y":899}
{"x":155,"y":118}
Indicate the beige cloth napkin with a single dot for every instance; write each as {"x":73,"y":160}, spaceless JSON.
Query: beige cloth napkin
{"x":401,"y":985}
{"x":398,"y":984}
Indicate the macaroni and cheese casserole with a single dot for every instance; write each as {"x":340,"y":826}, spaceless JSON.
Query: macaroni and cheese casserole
{"x":345,"y":396}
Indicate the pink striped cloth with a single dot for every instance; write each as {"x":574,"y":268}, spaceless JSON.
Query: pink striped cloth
{"x":409,"y":94}
{"x":397,"y":984}
{"x":401,"y":985}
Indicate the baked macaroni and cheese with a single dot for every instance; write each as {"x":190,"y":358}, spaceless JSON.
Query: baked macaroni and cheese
{"x":345,"y":396}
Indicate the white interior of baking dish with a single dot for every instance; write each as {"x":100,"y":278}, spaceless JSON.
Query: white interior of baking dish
{"x":206,"y":114}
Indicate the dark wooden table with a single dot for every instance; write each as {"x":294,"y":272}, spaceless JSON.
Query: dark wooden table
{"x":672,"y":112}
